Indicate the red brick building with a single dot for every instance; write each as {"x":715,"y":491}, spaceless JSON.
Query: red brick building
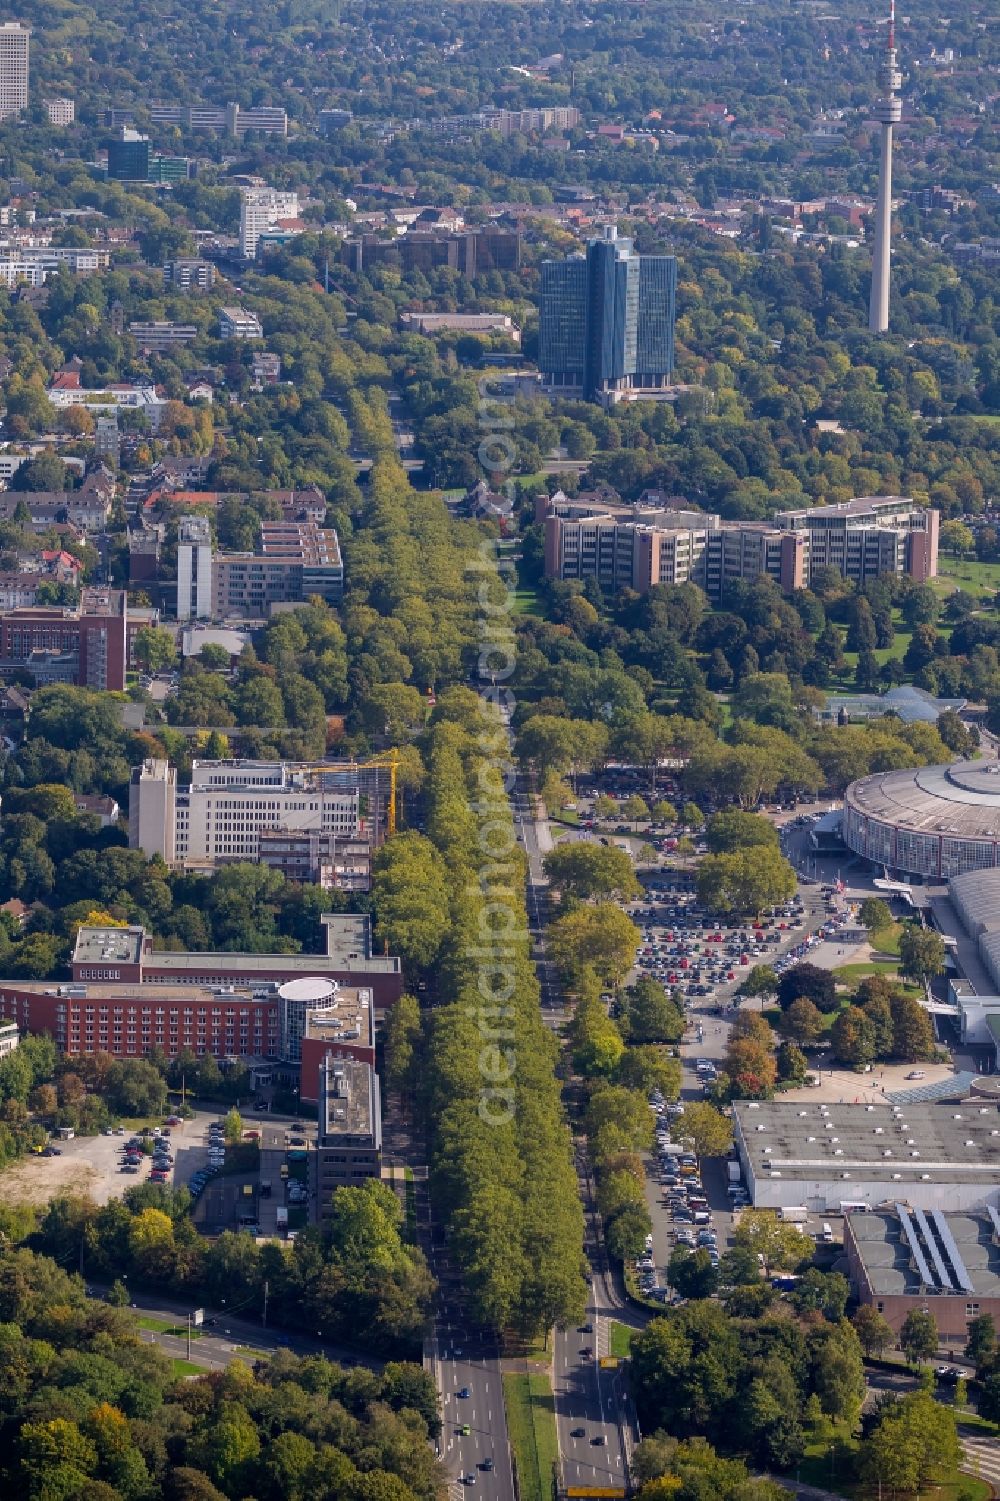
{"x":85,"y":645}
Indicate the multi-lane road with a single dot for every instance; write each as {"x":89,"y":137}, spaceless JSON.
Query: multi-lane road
{"x":593,"y":1420}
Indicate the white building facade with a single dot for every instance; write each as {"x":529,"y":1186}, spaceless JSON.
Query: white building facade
{"x":220,"y":816}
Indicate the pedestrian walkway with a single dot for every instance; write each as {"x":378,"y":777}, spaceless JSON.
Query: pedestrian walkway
{"x":981,"y":1456}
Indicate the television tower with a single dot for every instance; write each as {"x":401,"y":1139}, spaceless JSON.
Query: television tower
{"x":888,"y":111}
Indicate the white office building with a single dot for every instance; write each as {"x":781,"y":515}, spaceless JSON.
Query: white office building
{"x":219,"y":817}
{"x":13,"y":68}
{"x":194,"y":569}
{"x":262,"y":209}
{"x":60,"y":111}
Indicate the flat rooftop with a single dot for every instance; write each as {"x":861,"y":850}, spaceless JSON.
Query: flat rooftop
{"x":348,"y":1017}
{"x":95,"y":991}
{"x":919,"y":1143}
{"x":108,"y":946}
{"x":861,"y":505}
{"x":349,"y":1101}
{"x":892,"y":1266}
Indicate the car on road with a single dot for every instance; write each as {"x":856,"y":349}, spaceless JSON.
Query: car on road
{"x":947,"y":1375}
{"x":586,"y":1329}
{"x":462,"y":1392}
{"x":578,"y":1433}
{"x":916,"y":1073}
{"x":465,"y":1430}
{"x":470,"y":1479}
{"x":600,"y":1439}
{"x":487,"y":1464}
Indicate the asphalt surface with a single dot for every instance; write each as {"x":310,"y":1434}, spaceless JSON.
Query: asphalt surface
{"x":462,"y":1363}
{"x":229,"y":1335}
{"x":589,"y":1402}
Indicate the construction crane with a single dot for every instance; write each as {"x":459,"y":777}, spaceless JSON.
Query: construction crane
{"x":391,"y":765}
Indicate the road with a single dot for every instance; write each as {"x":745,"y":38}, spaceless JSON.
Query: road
{"x":461,"y":1362}
{"x":586,"y":1397}
{"x":228,"y":1336}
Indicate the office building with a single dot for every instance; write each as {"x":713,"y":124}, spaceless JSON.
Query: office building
{"x":238,"y":323}
{"x":194,"y":568}
{"x":9,"y":1038}
{"x":471,"y":252}
{"x":128,"y":157}
{"x":221,"y":814}
{"x":871,"y":535}
{"x":294,"y":561}
{"x":160,"y":336}
{"x":86,"y":644}
{"x":127,"y":955}
{"x":606,"y":324}
{"x":332,"y":120}
{"x":254,"y":1019}
{"x":170,"y":168}
{"x":349,"y":1139}
{"x":60,"y":111}
{"x":187,"y":273}
{"x":751,"y":550}
{"x":265,"y":119}
{"x":263,"y":209}
{"x":463,"y":323}
{"x":637,"y":547}
{"x":14,"y":43}
{"x":902,"y":1259}
{"x":833,"y":1159}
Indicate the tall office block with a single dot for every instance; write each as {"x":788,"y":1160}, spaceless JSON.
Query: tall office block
{"x":888,"y":111}
{"x":607,"y":321}
{"x":194,"y":569}
{"x":13,"y":68}
{"x":128,"y":157}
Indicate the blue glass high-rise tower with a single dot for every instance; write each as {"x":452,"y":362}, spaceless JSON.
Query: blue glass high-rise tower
{"x":607,"y":320}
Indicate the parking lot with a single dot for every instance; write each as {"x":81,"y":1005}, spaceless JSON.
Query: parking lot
{"x":92,"y":1165}
{"x":704,"y":962}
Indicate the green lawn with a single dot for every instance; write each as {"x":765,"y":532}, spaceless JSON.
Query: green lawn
{"x":886,"y":940}
{"x":883,"y":654}
{"x":971,"y":575}
{"x":187,"y":1368}
{"x":164,"y":1326}
{"x":621,"y":1340}
{"x":526,"y":601}
{"x":850,"y":974}
{"x":531,"y":1424}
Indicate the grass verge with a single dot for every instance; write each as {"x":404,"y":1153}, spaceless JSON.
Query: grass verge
{"x":187,"y":1368}
{"x":621,"y":1340}
{"x":164,"y":1326}
{"x":531,"y":1424}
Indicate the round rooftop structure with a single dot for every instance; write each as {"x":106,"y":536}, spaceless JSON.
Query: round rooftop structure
{"x":930,"y":821}
{"x":312,"y":990}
